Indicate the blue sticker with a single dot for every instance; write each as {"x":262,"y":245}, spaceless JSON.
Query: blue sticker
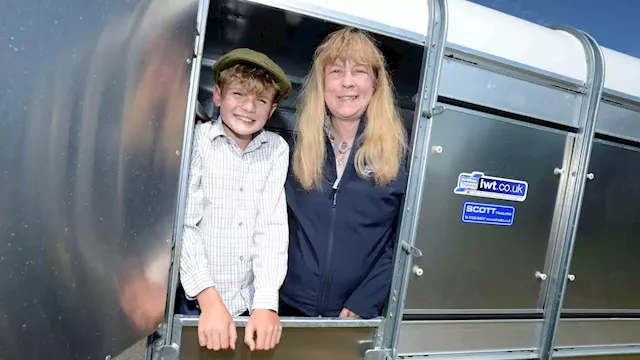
{"x":480,"y":185}
{"x":490,"y":214}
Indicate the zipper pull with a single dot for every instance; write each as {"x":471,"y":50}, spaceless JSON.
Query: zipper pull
{"x":335,"y":197}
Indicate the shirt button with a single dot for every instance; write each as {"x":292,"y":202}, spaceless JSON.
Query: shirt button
{"x":241,"y":257}
{"x":241,"y":189}
{"x":241,"y":223}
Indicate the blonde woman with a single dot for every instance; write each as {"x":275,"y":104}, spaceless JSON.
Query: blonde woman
{"x":346,"y":183}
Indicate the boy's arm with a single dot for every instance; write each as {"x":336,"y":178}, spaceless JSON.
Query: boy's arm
{"x":194,"y":267}
{"x":271,"y":239}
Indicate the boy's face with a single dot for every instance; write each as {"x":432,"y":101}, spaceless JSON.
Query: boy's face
{"x":242,"y":113}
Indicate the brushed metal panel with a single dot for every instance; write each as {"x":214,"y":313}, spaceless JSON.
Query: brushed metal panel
{"x":602,"y":357}
{"x":93,"y":98}
{"x":597,"y":332}
{"x":605,"y":259}
{"x":469,"y":83}
{"x":432,"y":337}
{"x":296,"y":343}
{"x":475,"y":267}
{"x":604,"y":353}
{"x":618,"y":121}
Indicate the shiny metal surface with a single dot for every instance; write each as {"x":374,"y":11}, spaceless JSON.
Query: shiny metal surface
{"x":296,"y":343}
{"x":605,"y":355}
{"x":574,"y":195}
{"x":482,"y":268}
{"x":605,"y":260}
{"x":597,"y":332}
{"x":419,"y":154}
{"x":619,"y":120}
{"x":297,"y":322}
{"x":513,"y":92}
{"x":92,"y":97}
{"x":185,"y":160}
{"x":438,"y":337}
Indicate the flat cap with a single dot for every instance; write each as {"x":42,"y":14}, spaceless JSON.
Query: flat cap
{"x":252,"y":57}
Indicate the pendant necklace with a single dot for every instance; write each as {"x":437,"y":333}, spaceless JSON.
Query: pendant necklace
{"x":343,"y":148}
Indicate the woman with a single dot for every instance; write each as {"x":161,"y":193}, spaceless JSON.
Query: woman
{"x":346,"y":182}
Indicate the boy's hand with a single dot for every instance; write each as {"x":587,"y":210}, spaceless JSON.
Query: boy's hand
{"x":216,"y":329}
{"x":266,"y":326}
{"x":346,"y":313}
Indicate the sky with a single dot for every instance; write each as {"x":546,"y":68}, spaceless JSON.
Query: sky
{"x":614,"y":24}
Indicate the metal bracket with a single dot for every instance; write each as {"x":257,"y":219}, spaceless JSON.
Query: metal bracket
{"x":429,"y":113}
{"x":411,"y":250}
{"x":378,"y":354}
{"x":167,"y":352}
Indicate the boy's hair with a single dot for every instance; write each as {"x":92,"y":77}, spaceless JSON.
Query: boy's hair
{"x":254,"y":80}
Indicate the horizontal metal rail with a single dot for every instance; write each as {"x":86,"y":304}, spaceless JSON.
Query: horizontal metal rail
{"x":295,"y":322}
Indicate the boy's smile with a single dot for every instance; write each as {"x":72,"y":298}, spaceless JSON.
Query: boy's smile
{"x":243,"y":114}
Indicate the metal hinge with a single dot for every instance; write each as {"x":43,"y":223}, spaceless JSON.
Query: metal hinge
{"x":437,"y":110}
{"x":411,"y":250}
{"x":378,"y":354}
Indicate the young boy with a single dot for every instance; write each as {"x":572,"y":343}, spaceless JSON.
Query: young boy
{"x":235,"y":235}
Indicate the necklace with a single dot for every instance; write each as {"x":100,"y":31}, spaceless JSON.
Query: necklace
{"x":343,"y":148}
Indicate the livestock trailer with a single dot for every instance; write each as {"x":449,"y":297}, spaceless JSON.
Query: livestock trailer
{"x":518,"y":236}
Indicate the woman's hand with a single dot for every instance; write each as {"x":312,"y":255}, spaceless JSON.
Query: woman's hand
{"x":346,"y":313}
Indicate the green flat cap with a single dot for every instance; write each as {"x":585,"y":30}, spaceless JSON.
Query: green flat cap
{"x":248,"y":56}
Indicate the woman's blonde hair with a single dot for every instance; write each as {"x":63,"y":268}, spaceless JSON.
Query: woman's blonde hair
{"x":383,"y":142}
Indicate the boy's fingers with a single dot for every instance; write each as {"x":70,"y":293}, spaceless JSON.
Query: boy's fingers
{"x":224,"y":338}
{"x":248,"y":336}
{"x":275,"y":339}
{"x":202,"y":339}
{"x":233,"y":335}
{"x":261,"y":336}
{"x":213,"y":343}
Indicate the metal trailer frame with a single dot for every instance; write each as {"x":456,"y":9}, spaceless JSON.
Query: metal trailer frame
{"x":166,"y":342}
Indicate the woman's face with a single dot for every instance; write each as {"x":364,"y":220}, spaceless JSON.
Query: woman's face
{"x":348,"y":88}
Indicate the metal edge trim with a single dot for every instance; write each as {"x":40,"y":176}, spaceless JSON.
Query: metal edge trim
{"x":192,"y":98}
{"x":514,"y":68}
{"x":617,"y":96}
{"x":516,"y":354}
{"x":295,"y":322}
{"x":433,"y":58}
{"x":341,"y":18}
{"x":579,"y":351}
{"x":578,"y":170}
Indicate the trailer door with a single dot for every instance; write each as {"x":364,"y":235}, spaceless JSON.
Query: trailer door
{"x":93,"y":96}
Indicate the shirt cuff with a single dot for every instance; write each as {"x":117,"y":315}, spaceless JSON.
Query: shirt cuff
{"x":195,"y":283}
{"x":265,"y":299}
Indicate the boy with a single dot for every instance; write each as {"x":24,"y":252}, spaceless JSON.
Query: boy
{"x":235,"y":235}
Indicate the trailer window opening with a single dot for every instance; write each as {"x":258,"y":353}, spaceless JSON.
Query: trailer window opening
{"x":290,"y":41}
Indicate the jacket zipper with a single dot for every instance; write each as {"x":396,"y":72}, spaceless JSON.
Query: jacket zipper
{"x":326,"y":274}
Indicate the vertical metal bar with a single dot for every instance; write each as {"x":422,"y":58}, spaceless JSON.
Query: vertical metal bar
{"x":194,"y":83}
{"x":577,"y":178}
{"x":434,"y":47}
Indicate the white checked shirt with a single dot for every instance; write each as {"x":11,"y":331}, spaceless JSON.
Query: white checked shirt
{"x":236,"y":235}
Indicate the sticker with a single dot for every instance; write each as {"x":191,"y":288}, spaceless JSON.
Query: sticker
{"x":478,"y":184}
{"x":490,"y":214}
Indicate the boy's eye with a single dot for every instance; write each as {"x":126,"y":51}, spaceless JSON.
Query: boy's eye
{"x":237,"y":93}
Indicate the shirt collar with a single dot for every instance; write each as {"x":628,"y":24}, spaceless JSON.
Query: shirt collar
{"x":218,"y":131}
